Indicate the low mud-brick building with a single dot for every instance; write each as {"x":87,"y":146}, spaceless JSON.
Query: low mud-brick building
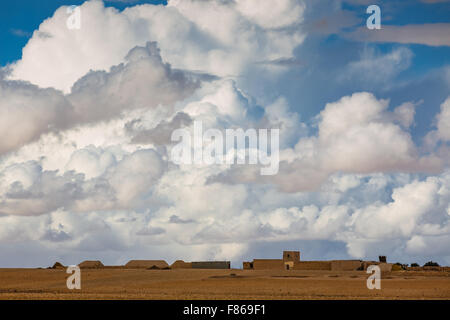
{"x":147,"y":264}
{"x":91,"y":264}
{"x":291,"y":261}
{"x":290,"y":258}
{"x":210,"y":264}
{"x":180,"y":264}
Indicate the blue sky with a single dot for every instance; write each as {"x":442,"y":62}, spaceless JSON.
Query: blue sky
{"x":87,"y":115}
{"x":325,"y":54}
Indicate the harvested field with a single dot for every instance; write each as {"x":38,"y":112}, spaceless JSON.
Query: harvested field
{"x":110,"y":283}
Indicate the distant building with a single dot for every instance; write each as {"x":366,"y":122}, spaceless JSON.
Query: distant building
{"x":267,"y":264}
{"x":211,"y":264}
{"x":180,"y":264}
{"x":58,"y":265}
{"x":91,"y":264}
{"x":291,"y":261}
{"x":147,"y":264}
{"x":290,"y":258}
{"x":384,"y":267}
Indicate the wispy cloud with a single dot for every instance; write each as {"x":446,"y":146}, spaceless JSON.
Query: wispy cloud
{"x":21,"y":33}
{"x":387,"y":65}
{"x":433,"y":34}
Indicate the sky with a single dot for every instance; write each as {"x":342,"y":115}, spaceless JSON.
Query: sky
{"x":87,"y":113}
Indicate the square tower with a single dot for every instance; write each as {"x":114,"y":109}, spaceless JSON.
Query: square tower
{"x":291,"y":256}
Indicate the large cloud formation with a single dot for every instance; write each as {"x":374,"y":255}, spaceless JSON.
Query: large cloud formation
{"x":355,"y":135}
{"x":85,"y":170}
{"x":143,"y":81}
{"x":218,"y":37}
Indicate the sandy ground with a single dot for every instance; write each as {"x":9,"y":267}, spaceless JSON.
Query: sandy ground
{"x":220,"y":284}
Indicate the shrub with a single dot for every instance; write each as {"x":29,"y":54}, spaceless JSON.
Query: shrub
{"x":415,"y":265}
{"x":431,"y":264}
{"x":399,"y":266}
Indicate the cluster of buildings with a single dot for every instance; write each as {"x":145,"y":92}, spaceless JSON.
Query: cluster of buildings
{"x":290,"y":261}
{"x":152,"y":264}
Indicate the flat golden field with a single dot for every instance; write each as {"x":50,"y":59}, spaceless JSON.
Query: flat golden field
{"x":220,"y":284}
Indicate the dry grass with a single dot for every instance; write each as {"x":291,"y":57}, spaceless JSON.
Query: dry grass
{"x":220,"y":284}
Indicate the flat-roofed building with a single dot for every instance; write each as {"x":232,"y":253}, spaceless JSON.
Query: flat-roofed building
{"x":210,"y":264}
{"x":312,"y":265}
{"x":147,"y":264}
{"x":346,"y":265}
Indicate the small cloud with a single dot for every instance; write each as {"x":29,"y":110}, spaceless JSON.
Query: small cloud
{"x":376,"y":67}
{"x":21,"y":33}
{"x":150,"y":231}
{"x":434,"y":1}
{"x":178,"y":220}
{"x":56,"y":236}
{"x":333,"y":23}
{"x":126,"y":220}
{"x":43,"y":34}
{"x":432,"y":34}
{"x":282,"y":62}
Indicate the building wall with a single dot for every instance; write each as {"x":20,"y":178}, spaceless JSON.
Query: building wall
{"x":345,"y":265}
{"x":312,"y":265}
{"x":289,"y":265}
{"x":291,"y":256}
{"x":268,"y":264}
{"x":369,"y":263}
{"x":210,"y":265}
{"x":384,"y":267}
